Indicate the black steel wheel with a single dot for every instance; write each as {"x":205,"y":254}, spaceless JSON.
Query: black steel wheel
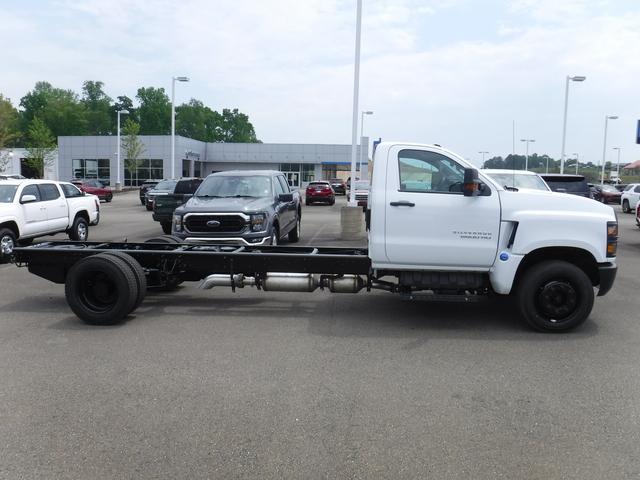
{"x":555,"y":296}
{"x":101,"y":289}
{"x":138,"y":272}
{"x":79,"y":230}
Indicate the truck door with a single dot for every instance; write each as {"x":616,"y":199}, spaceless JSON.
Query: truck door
{"x":56,"y":206}
{"x":286,"y":210}
{"x":34,"y":213}
{"x":428,"y":221}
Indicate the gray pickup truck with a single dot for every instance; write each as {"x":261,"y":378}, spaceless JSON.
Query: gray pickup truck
{"x":254,"y":207}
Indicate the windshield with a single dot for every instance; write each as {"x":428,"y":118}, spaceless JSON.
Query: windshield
{"x":362,"y":185}
{"x":7,"y":192}
{"x":518,"y":180}
{"x":166,"y":185}
{"x":225,"y":186}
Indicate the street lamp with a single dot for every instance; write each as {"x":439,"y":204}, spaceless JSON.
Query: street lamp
{"x":577,"y":162}
{"x":604,"y":148}
{"x":118,"y":184}
{"x":173,"y":121}
{"x":483,"y":154}
{"x":618,"y":167}
{"x":526,"y":158}
{"x":368,"y":112}
{"x":576,"y":78}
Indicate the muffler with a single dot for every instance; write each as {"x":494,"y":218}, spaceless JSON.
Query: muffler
{"x":290,"y":282}
{"x":344,"y":283}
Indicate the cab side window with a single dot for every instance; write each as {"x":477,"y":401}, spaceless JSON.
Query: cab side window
{"x":70,"y":191}
{"x":429,"y":172}
{"x":283,"y":182}
{"x":637,"y":189}
{"x":278,"y":185}
{"x":48,"y":191}
{"x":31,"y":190}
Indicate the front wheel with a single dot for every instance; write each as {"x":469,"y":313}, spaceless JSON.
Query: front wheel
{"x":626,"y":208}
{"x":7,"y":241}
{"x":109,"y":198}
{"x":166,"y":227}
{"x":555,"y":296}
{"x":79,"y":230}
{"x":294,"y":235}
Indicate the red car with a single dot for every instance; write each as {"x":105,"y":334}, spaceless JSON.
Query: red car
{"x":94,"y":187}
{"x":320,"y":192}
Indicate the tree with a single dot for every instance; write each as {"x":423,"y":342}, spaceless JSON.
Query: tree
{"x":60,"y":110}
{"x":41,"y":144}
{"x":132,"y":147}
{"x":236,"y":128}
{"x":197,"y":121}
{"x":97,"y":108}
{"x":154,"y":111}
{"x":9,"y":123}
{"x":122,"y":103}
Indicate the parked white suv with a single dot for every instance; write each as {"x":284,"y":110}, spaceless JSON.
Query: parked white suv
{"x":34,"y":208}
{"x":630,"y":197}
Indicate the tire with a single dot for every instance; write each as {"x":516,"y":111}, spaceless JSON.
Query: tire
{"x":626,"y":208}
{"x":166,"y":227}
{"x":307,"y":203}
{"x":555,"y":296}
{"x":332,"y":202}
{"x":164,"y":239}
{"x":79,"y":231}
{"x":101,"y":289}
{"x":7,"y":241}
{"x":138,"y":272}
{"x":275,"y":235}
{"x":294,"y":235}
{"x":143,"y":202}
{"x":108,"y":198}
{"x":149,"y":209}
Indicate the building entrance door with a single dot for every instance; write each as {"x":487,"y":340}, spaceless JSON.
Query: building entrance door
{"x":293,"y":178}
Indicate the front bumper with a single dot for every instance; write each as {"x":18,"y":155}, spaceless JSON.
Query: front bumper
{"x":228,"y":241}
{"x":607,"y":273}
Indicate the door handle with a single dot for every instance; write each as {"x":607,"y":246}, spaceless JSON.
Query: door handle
{"x":402,"y":203}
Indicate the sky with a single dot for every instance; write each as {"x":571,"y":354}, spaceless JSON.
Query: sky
{"x":453,"y":72}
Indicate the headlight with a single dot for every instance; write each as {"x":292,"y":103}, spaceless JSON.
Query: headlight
{"x":258,"y":222}
{"x":177,"y":222}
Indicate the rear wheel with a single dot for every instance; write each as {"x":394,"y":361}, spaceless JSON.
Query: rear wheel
{"x":109,"y":197}
{"x":79,"y":230}
{"x":101,"y":289}
{"x":555,"y":296}
{"x":138,"y":272}
{"x":626,"y":208}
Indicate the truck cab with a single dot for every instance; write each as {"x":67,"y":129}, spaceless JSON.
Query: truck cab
{"x":436,"y":223}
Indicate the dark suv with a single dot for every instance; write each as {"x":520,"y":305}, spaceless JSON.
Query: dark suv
{"x":240,"y":207}
{"x":573,"y":184}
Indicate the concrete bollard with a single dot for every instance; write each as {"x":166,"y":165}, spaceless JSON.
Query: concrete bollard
{"x":351,"y":223}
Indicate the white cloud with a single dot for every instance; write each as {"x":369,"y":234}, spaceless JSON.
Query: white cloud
{"x":289,"y":64}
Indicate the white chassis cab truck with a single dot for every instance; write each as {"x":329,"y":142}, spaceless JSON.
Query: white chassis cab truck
{"x":438,"y":229}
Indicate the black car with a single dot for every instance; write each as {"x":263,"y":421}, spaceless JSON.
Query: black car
{"x":164,"y":205}
{"x":339,"y":186}
{"x":147,"y":185}
{"x":253,"y":207}
{"x":573,"y":184}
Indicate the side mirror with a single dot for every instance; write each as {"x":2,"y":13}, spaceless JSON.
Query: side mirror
{"x":28,"y":199}
{"x":285,"y":197}
{"x":470,"y":187}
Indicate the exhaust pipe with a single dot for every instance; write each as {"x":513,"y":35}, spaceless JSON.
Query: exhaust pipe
{"x":222,"y":280}
{"x":288,"y":282}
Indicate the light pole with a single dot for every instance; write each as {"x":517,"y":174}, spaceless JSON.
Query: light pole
{"x":576,"y":78}
{"x":618,"y":166}
{"x":604,"y":148}
{"x":118,"y":184}
{"x":363,"y":113}
{"x":577,"y":162}
{"x":483,"y":154}
{"x":173,"y":122}
{"x":526,"y":158}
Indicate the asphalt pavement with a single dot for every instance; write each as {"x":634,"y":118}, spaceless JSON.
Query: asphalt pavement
{"x":212,"y":384}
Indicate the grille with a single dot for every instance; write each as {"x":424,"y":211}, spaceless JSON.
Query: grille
{"x":362,"y":196}
{"x":228,"y":223}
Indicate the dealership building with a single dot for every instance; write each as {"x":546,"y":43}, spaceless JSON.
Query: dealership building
{"x":95,"y":157}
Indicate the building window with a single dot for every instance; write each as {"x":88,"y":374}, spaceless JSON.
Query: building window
{"x":92,"y":168}
{"x":308,"y":172}
{"x":303,"y":171}
{"x":147,"y":169}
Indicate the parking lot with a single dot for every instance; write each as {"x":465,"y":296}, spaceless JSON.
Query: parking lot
{"x":212,"y":384}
